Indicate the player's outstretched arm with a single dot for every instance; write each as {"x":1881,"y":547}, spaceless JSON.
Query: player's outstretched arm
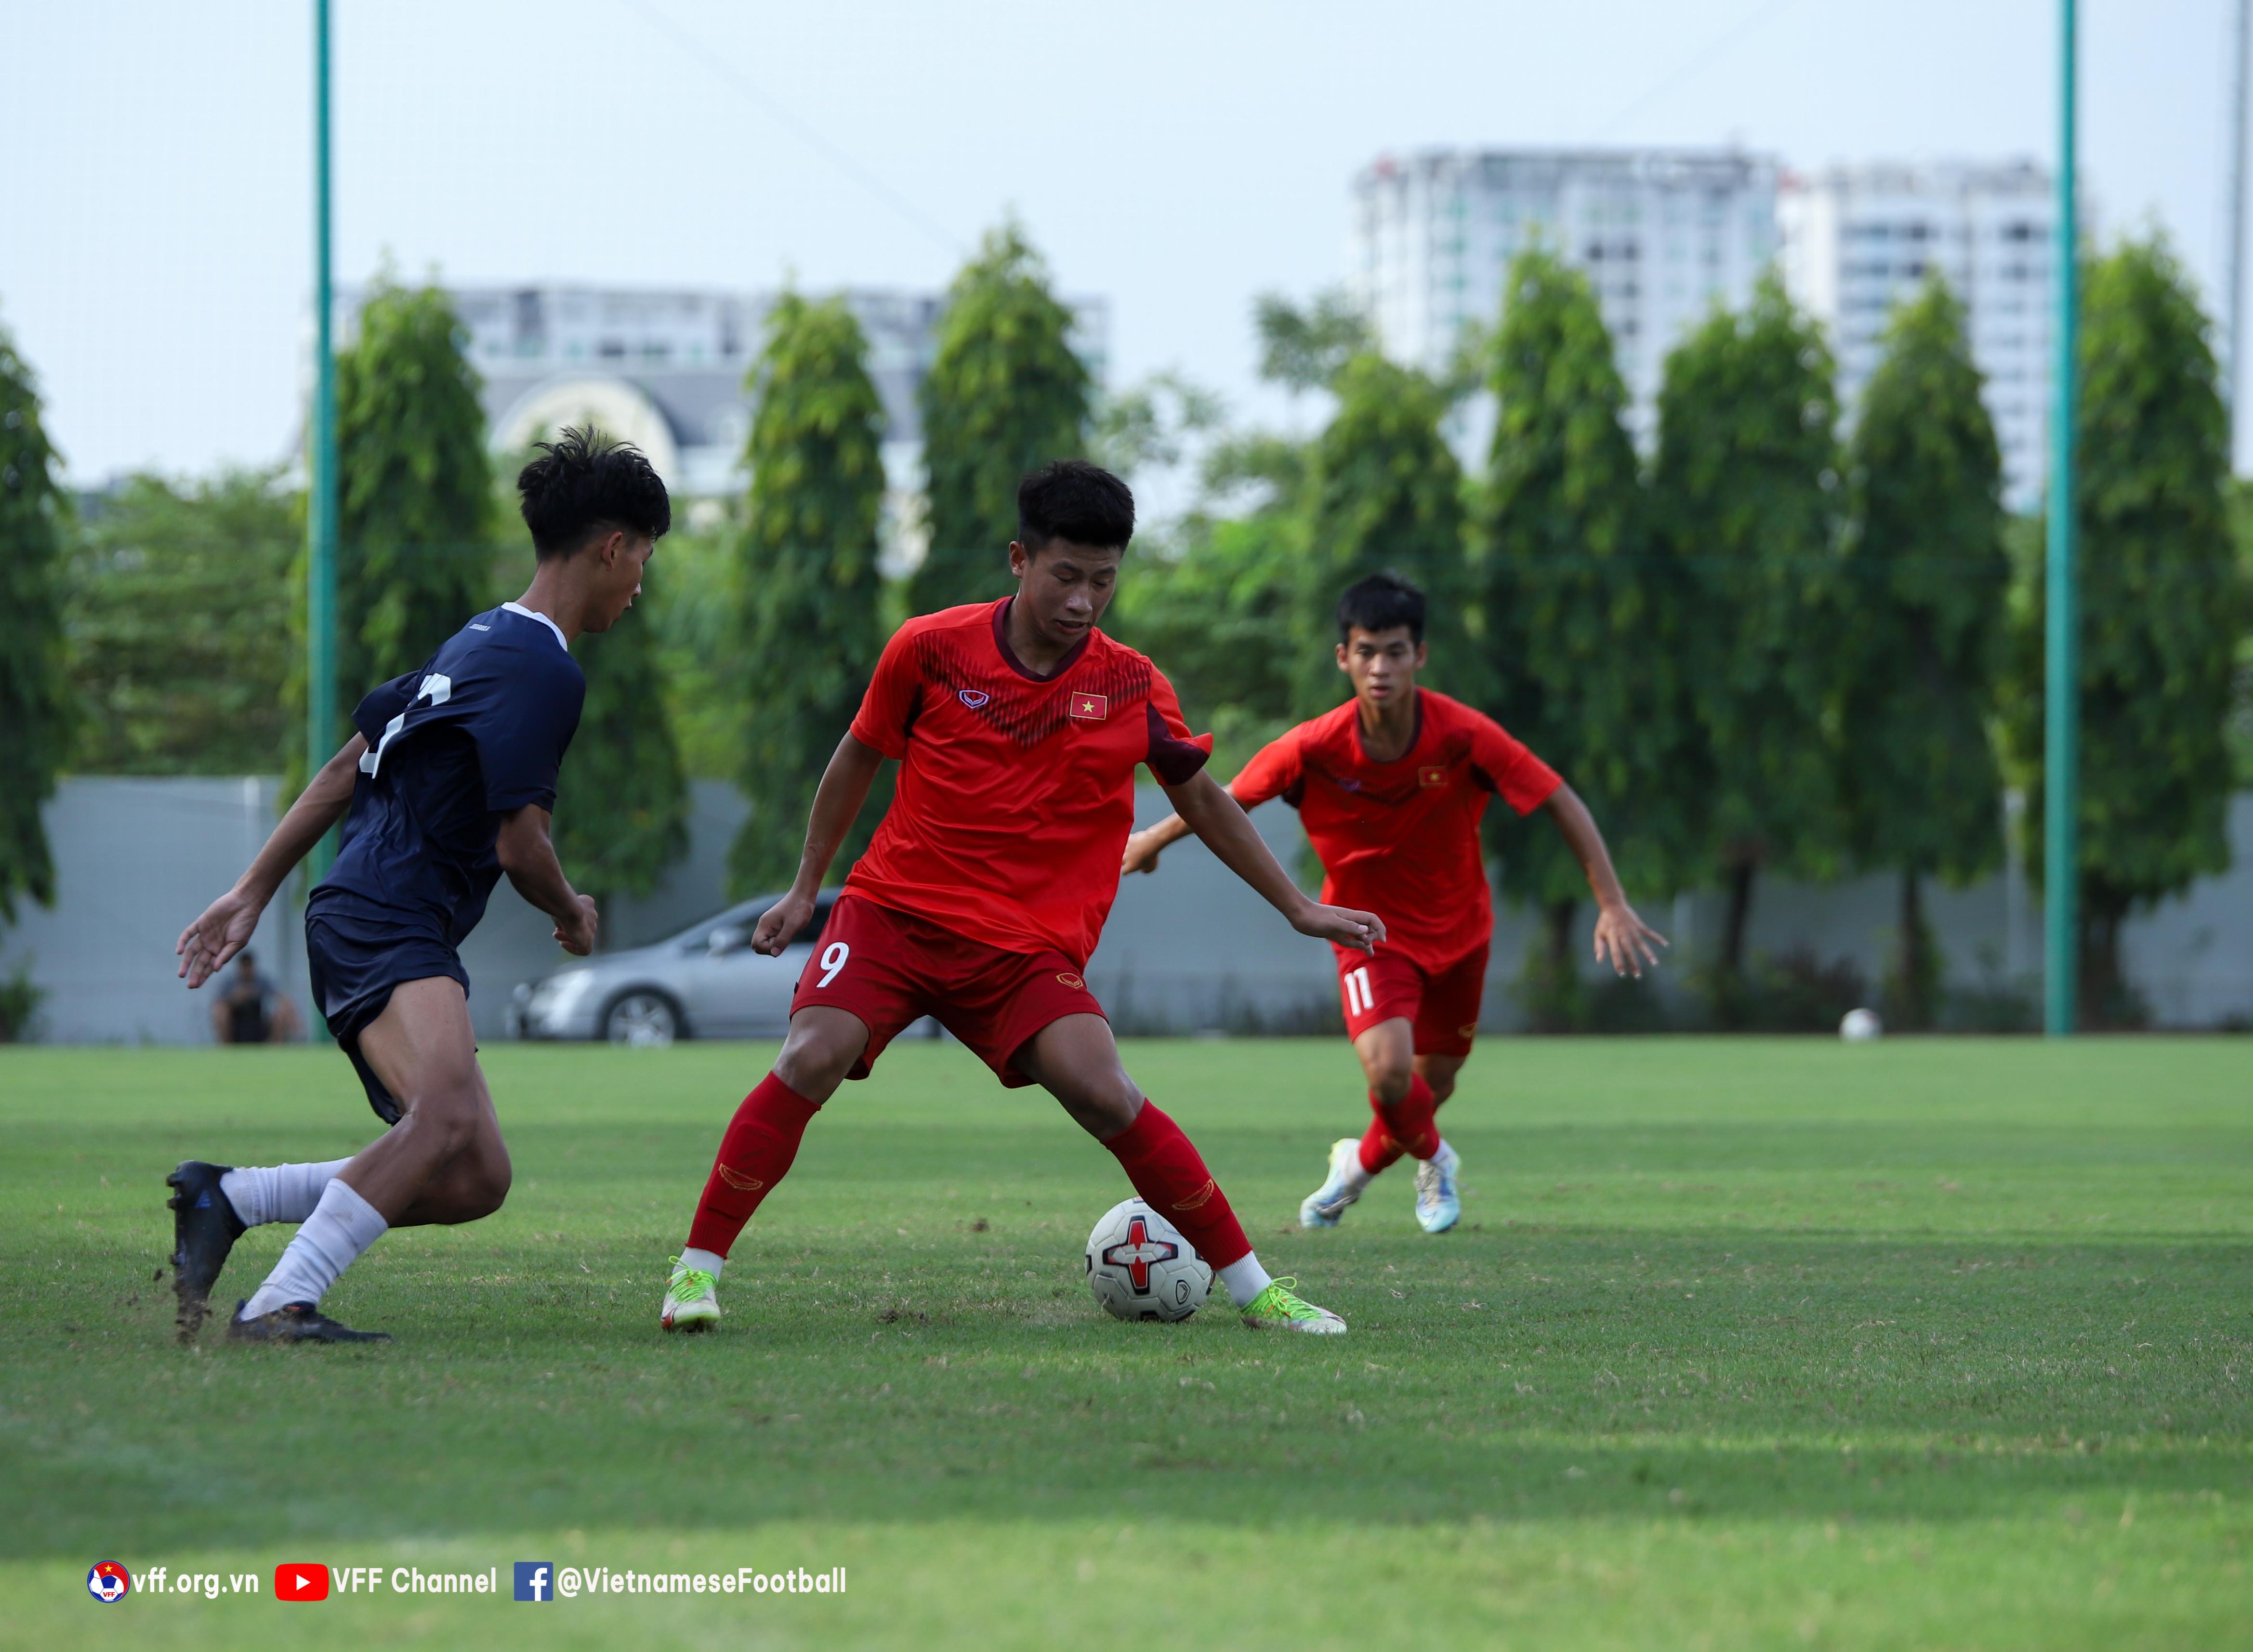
{"x":228,"y":923}
{"x":1142,"y":848}
{"x":526,"y":852}
{"x":1623,"y":940}
{"x":837,"y":803}
{"x":1205,"y":806}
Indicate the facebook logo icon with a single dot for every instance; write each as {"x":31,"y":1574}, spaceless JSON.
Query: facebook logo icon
{"x":533,"y":1580}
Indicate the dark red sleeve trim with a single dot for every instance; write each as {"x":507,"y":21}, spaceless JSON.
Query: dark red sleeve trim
{"x":1171,"y":759}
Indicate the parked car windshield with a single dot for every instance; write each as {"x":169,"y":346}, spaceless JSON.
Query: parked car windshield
{"x":698,"y":937}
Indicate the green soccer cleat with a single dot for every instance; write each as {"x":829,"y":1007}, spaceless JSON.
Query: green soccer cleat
{"x":691,"y":1299}
{"x":1276,"y":1309}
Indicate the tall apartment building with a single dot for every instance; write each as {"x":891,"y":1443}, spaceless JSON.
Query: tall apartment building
{"x":665,"y":369}
{"x":1857,"y":240}
{"x":1662,"y":234}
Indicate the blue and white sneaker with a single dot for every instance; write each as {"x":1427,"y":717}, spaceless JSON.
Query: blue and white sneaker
{"x":1323,"y":1208}
{"x":1439,"y":1205}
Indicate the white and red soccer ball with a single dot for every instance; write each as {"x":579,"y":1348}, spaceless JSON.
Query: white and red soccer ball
{"x":108,"y":1582}
{"x":1140,"y":1267}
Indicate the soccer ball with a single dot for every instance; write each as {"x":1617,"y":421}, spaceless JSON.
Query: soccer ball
{"x":1860,"y":1026}
{"x":1140,"y":1267}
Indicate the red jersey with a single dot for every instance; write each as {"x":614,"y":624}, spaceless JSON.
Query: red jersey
{"x":1401,"y":839}
{"x":1016,"y":792}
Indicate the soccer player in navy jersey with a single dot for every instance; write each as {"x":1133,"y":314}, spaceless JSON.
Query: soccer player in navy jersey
{"x":450,"y":782}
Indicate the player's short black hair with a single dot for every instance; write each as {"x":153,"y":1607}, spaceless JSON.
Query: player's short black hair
{"x":1382,"y":601}
{"x":583,"y":480}
{"x":1072,"y":500}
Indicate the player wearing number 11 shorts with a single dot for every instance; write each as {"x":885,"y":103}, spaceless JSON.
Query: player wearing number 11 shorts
{"x":1390,"y":788}
{"x":1018,"y":727}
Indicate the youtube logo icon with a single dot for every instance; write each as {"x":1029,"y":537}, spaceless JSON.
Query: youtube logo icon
{"x":301,"y":1583}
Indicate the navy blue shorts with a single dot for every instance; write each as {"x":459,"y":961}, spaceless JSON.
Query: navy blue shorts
{"x":355,"y":965}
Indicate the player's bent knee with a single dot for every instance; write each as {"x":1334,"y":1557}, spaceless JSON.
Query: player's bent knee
{"x":448,"y":1120}
{"x":1107,"y":1110}
{"x":488,"y":1194}
{"x":1392,"y":1084}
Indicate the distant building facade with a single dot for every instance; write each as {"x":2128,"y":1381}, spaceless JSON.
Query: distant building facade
{"x":1662,"y":234}
{"x":1857,"y":240}
{"x":666,"y":368}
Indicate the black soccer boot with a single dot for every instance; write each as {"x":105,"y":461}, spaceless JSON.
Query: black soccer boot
{"x":205,"y":1228}
{"x":295,"y":1323}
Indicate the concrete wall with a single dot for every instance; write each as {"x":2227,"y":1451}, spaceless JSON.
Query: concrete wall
{"x":1189,"y":948}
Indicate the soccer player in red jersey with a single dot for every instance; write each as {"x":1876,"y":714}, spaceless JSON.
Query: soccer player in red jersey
{"x":1390,"y":788}
{"x":1018,"y":727}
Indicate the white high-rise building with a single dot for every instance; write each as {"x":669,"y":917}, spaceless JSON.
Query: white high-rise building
{"x":1857,"y":240}
{"x":1662,"y":233}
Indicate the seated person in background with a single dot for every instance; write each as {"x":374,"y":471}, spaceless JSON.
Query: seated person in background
{"x":252,"y":1010}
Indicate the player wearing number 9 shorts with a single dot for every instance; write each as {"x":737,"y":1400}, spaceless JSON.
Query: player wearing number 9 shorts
{"x":1018,"y":727}
{"x":1391,"y":787}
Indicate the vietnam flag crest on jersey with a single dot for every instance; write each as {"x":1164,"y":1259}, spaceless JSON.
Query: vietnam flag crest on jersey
{"x":1017,"y":788}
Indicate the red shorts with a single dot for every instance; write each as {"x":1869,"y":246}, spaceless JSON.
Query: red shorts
{"x":1443,"y":1004}
{"x":892,"y":968}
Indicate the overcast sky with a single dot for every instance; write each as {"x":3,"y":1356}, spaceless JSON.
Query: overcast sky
{"x":155,"y":166}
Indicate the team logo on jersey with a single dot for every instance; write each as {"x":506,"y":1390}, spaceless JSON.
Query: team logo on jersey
{"x":973,"y":698}
{"x":108,"y":1582}
{"x":1074,"y":982}
{"x":1435,"y":775}
{"x":1470,"y":1031}
{"x":1094,"y":708}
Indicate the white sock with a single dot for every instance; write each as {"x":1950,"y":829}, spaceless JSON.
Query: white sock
{"x":1356,"y":1177}
{"x":1245,"y":1280}
{"x":342,"y":1226}
{"x":710,"y":1261}
{"x":277,"y":1193}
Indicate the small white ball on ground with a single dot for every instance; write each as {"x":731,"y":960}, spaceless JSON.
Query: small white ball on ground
{"x":1860,"y":1026}
{"x":1140,"y":1267}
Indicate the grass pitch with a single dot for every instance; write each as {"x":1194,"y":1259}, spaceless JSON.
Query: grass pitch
{"x":1742,"y":1343}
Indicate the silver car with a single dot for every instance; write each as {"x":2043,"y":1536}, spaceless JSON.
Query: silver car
{"x":705,"y":982}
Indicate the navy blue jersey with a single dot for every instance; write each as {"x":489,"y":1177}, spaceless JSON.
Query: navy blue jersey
{"x":476,"y":734}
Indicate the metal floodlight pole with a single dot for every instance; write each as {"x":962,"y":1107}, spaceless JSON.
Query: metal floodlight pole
{"x":2233,"y":281}
{"x":2061,"y":687}
{"x":321,"y":481}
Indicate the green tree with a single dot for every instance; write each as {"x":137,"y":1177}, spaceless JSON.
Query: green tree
{"x":1383,"y":490}
{"x":1584,"y":612}
{"x":36,"y":720}
{"x":1306,"y":349}
{"x":180,"y":616}
{"x":1926,"y":575}
{"x":622,"y":801}
{"x":2162,"y":607}
{"x":811,"y":627}
{"x":1005,"y":395}
{"x":414,"y":523}
{"x":1745,"y":491}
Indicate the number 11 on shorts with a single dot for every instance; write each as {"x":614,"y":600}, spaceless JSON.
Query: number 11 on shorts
{"x":833,"y":957}
{"x":1359,"y":1000}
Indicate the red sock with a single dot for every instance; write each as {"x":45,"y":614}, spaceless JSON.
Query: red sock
{"x":1168,"y":1171}
{"x":1405,"y":1125}
{"x":762,"y":1139}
